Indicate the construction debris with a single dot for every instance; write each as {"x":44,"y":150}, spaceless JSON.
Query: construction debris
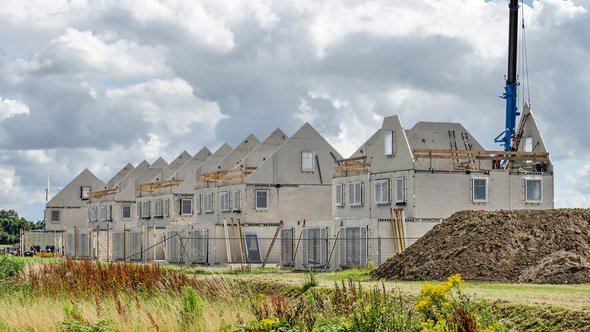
{"x":543,"y":246}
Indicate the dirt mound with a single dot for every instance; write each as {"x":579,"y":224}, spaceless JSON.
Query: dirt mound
{"x":561,"y":267}
{"x":497,"y":246}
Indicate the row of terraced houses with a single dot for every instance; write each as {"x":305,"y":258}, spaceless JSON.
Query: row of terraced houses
{"x":295,"y":201}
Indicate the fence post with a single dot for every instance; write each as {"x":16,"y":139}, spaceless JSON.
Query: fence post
{"x":379,"y":251}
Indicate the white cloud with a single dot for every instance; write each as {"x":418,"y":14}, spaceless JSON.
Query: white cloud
{"x":105,"y":54}
{"x":10,"y":108}
{"x":12,"y":193}
{"x":169,"y":105}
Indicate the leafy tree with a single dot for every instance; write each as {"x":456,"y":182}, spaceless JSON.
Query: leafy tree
{"x":10,"y":226}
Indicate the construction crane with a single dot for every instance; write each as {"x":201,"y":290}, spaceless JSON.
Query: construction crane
{"x":505,"y":138}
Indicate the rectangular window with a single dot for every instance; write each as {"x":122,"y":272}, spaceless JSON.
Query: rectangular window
{"x":209,"y":202}
{"x":389,"y":143}
{"x":138,"y":209}
{"x":110,"y":213}
{"x":533,"y":190}
{"x":355,"y":193}
{"x":103,"y":213}
{"x":400,"y":189}
{"x":261,"y":199}
{"x":224,"y":201}
{"x":145,"y":209}
{"x":167,"y":208}
{"x":236,"y":202}
{"x":85,"y":192}
{"x":158,"y":208}
{"x":307,"y":164}
{"x":528,"y":144}
{"x":198,"y":203}
{"x":186,"y":207}
{"x":480,"y":190}
{"x":95,"y":213}
{"x":382,"y":191}
{"x":339,"y":194}
{"x":126,"y":211}
{"x":55,"y":215}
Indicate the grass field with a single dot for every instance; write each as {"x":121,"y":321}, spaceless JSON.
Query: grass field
{"x":565,"y":296}
{"x":227,"y":296}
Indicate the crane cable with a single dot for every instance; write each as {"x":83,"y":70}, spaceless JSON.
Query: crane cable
{"x":524,"y":61}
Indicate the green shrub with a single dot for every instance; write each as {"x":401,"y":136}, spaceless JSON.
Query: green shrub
{"x":310,"y":282}
{"x":74,"y":322}
{"x":192,"y":307}
{"x":10,"y":267}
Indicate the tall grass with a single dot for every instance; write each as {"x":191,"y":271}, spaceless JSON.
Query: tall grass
{"x":100,"y":297}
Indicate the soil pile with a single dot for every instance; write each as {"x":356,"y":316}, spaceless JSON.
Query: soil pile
{"x":536,"y":246}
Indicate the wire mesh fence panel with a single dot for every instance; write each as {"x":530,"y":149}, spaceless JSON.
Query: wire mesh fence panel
{"x":199,"y":246}
{"x":70,"y":245}
{"x":315,"y":247}
{"x":173,"y":246}
{"x":83,"y":248}
{"x":135,"y":246}
{"x":118,"y":245}
{"x":353,"y":246}
{"x":287,"y":247}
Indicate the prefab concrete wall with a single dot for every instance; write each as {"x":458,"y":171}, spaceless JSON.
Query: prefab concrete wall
{"x":440,"y":194}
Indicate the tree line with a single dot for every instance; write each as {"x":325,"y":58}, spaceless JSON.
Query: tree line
{"x":11,"y":224}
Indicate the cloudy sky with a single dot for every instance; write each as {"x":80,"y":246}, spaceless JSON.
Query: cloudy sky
{"x":98,"y":84}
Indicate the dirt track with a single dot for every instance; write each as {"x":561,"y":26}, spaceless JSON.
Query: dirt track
{"x":548,"y":246}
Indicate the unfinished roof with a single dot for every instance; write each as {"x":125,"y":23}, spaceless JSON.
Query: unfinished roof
{"x":194,"y":162}
{"x":71,"y":194}
{"x":256,"y":157}
{"x":190,"y":181}
{"x":443,"y":136}
{"x":119,"y":176}
{"x":284,"y":165}
{"x":230,"y":161}
{"x":174,"y":166}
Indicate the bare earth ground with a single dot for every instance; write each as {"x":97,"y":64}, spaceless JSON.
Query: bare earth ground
{"x":532,"y":246}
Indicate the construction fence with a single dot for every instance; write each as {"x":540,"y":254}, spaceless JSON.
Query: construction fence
{"x":308,"y":248}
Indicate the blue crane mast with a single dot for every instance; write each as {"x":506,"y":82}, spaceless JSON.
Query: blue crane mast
{"x":505,"y":138}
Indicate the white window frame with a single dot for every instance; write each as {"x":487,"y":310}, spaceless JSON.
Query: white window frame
{"x":526,"y":193}
{"x":158,"y":208}
{"x":183,"y":212}
{"x":339,"y":192}
{"x":389,"y":143}
{"x":261,"y":208}
{"x":95,"y":213}
{"x":208,"y":208}
{"x":198,"y":206}
{"x":473,"y":198}
{"x":236,"y":201}
{"x":85,"y":192}
{"x":355,"y":196}
{"x":307,"y":155}
{"x":58,"y":216}
{"x":123,"y":206}
{"x":145,"y":209}
{"x":381,"y":186}
{"x":528,"y":144}
{"x":224,"y":201}
{"x":167,"y":207}
{"x":103,"y":212}
{"x":400,"y":196}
